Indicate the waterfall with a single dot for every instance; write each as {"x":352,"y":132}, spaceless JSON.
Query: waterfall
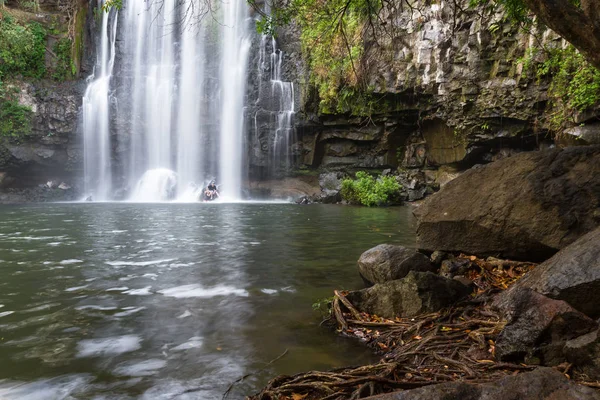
{"x":96,"y":109}
{"x":183,"y":67}
{"x":284,"y":91}
{"x":275,"y":110}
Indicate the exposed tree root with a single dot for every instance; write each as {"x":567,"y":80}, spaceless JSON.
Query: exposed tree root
{"x":454,"y":344}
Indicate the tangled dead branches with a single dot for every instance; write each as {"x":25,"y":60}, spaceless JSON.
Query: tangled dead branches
{"x":453,"y":344}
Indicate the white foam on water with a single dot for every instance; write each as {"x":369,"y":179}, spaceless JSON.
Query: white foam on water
{"x":117,"y":289}
{"x":5,"y":313}
{"x":268,"y":291}
{"x":75,"y":288}
{"x":194,"y":290}
{"x":143,"y":368}
{"x":137,"y":263}
{"x":54,"y":244}
{"x":118,"y":231}
{"x":151,"y":276}
{"x":108,"y":346}
{"x":129,"y":311}
{"x":185,"y":314}
{"x":99,"y":308}
{"x":1,"y":305}
{"x":70,"y":261}
{"x":58,"y":388}
{"x":140,"y":292}
{"x":193,"y":343}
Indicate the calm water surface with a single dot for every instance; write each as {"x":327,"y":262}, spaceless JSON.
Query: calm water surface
{"x":175,"y":301}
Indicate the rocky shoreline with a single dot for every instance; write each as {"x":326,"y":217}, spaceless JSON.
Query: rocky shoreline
{"x":450,"y":325}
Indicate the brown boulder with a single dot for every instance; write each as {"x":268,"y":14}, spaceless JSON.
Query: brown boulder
{"x":417,"y":293}
{"x":527,"y":206}
{"x":537,"y":327}
{"x":387,"y":262}
{"x":572,"y":275}
{"x":540,"y":384}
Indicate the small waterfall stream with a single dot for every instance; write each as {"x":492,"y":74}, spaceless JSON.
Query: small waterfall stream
{"x":185,"y":70}
{"x":95,"y":109}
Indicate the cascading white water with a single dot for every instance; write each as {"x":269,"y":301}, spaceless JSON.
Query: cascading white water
{"x":278,"y":105}
{"x":285,"y":92}
{"x":185,"y":80}
{"x":236,"y":46}
{"x":155,"y":185}
{"x":96,"y":113}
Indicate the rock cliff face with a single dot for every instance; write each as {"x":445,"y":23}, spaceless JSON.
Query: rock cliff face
{"x":50,"y":151}
{"x":454,"y":83}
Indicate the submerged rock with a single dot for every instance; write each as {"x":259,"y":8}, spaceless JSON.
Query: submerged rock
{"x":537,"y":327}
{"x":540,"y":384}
{"x":387,"y":262}
{"x":417,"y":293}
{"x":526,"y":207}
{"x":572,"y":275}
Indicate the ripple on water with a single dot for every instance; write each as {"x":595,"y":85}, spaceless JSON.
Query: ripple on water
{"x":145,"y":291}
{"x":137,"y":263}
{"x":140,"y":368}
{"x":70,"y":261}
{"x":108,"y":346}
{"x":61,"y":387}
{"x":193,"y":343}
{"x":198,"y":291}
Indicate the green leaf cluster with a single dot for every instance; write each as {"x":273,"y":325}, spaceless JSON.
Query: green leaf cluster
{"x":368,"y":191}
{"x":15,"y":119}
{"x":64,"y":68}
{"x":332,"y":43}
{"x":575,"y":84}
{"x":22,"y":48}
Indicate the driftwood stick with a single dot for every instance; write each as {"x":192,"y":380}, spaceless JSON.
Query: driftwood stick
{"x":348,"y":305}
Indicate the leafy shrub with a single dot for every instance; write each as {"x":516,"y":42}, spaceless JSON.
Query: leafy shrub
{"x":15,"y":119}
{"x":368,"y":191}
{"x":63,"y":69}
{"x":575,"y":84}
{"x":22,"y":48}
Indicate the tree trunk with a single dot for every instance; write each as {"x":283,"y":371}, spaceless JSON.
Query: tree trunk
{"x":579,"y":26}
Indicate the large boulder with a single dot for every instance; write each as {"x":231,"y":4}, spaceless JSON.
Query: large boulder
{"x":527,"y":206}
{"x":537,"y":327}
{"x":331,"y":184}
{"x":540,"y":384}
{"x":584,"y":353}
{"x":387,"y":262}
{"x":417,"y":293}
{"x":572,"y":275}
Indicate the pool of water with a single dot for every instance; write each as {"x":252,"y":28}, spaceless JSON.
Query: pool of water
{"x":175,"y":301}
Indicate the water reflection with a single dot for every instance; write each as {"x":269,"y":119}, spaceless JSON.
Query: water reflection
{"x":174,"y":300}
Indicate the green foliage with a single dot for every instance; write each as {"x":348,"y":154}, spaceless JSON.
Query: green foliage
{"x":332,"y":44}
{"x":64,"y":65}
{"x":22,"y":48}
{"x":15,"y":119}
{"x":575,"y":84}
{"x":117,"y":4}
{"x":368,"y":191}
{"x":323,"y":306}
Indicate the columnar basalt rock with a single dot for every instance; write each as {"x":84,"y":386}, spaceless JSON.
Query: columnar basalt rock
{"x":454,"y":89}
